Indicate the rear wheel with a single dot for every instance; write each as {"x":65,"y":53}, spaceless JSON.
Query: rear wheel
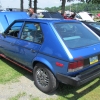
{"x":44,"y":79}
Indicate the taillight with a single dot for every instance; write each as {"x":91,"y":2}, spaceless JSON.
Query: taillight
{"x":74,"y":66}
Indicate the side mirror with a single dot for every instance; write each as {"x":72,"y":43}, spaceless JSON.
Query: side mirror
{"x":4,"y":35}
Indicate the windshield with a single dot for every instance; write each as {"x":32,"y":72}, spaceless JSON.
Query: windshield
{"x":76,"y":35}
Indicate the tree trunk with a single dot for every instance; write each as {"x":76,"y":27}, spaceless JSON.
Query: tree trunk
{"x":30,"y":3}
{"x":35,"y":6}
{"x":21,"y":5}
{"x":63,"y":6}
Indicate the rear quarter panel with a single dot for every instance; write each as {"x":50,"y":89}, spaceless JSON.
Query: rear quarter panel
{"x":53,"y":50}
{"x":51,"y":45}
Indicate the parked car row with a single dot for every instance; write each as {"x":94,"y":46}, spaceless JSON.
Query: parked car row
{"x":54,"y":50}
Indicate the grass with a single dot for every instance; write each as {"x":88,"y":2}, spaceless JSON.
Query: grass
{"x":10,"y":72}
{"x":90,"y":91}
{"x":22,"y":96}
{"x":18,"y":96}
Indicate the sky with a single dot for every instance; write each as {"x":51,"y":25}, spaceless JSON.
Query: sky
{"x":40,"y":4}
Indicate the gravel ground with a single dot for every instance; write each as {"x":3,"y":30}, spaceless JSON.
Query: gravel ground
{"x":24,"y":85}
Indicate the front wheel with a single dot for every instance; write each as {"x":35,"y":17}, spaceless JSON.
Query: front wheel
{"x":44,"y":79}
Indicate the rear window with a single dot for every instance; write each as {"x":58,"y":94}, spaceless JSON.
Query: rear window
{"x":76,"y":35}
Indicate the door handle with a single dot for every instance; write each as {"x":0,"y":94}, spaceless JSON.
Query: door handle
{"x":33,"y":51}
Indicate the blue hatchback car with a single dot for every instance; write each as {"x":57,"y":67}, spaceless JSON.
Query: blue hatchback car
{"x":55,"y":50}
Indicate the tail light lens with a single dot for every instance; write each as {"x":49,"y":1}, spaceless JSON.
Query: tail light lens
{"x":75,"y":66}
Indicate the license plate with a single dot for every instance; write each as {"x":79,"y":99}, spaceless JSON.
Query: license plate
{"x":93,"y":59}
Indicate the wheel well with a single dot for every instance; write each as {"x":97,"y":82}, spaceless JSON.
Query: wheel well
{"x":35,"y":62}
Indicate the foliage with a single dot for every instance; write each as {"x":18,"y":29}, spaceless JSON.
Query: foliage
{"x":93,"y":1}
{"x":87,"y":1}
{"x":77,"y":7}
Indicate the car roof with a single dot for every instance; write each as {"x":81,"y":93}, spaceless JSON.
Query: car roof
{"x":47,"y":20}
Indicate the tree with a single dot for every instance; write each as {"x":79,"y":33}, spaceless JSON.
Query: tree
{"x":95,"y":1}
{"x":63,"y":6}
{"x":30,"y":3}
{"x":35,"y":5}
{"x":87,"y":1}
{"x":21,"y":5}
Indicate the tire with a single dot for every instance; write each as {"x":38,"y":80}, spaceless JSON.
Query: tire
{"x":44,"y":79}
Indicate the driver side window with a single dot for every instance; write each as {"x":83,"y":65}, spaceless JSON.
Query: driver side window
{"x":14,"y":29}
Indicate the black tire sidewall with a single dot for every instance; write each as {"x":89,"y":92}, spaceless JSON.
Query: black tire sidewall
{"x":52,"y":80}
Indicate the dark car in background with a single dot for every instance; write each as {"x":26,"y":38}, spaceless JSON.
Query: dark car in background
{"x":94,"y":26}
{"x":52,"y":15}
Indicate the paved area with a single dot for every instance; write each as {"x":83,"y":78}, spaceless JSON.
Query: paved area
{"x":24,"y":85}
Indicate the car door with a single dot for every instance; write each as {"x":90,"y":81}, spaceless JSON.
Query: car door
{"x":29,"y":43}
{"x":10,"y":36}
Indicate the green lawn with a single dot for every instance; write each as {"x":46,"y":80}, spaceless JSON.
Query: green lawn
{"x":18,"y":96}
{"x":90,"y":91}
{"x":10,"y":72}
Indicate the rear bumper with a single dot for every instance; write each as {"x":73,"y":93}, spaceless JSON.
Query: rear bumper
{"x":80,"y":79}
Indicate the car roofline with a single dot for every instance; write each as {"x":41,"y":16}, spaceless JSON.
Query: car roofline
{"x":47,"y":20}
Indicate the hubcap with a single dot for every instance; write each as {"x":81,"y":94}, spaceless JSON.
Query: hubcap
{"x":42,"y":77}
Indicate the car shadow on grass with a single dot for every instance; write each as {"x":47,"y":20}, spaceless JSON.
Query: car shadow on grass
{"x":22,"y":71}
{"x":64,"y":92}
{"x":67,"y":92}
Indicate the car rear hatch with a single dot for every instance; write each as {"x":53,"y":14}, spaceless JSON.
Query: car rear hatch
{"x":84,"y":58}
{"x":84,"y":67}
{"x":82,"y":46}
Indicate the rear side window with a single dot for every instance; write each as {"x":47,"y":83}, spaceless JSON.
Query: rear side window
{"x":76,"y":35}
{"x":32,"y":32}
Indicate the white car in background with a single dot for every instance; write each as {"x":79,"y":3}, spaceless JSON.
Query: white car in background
{"x":83,"y":16}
